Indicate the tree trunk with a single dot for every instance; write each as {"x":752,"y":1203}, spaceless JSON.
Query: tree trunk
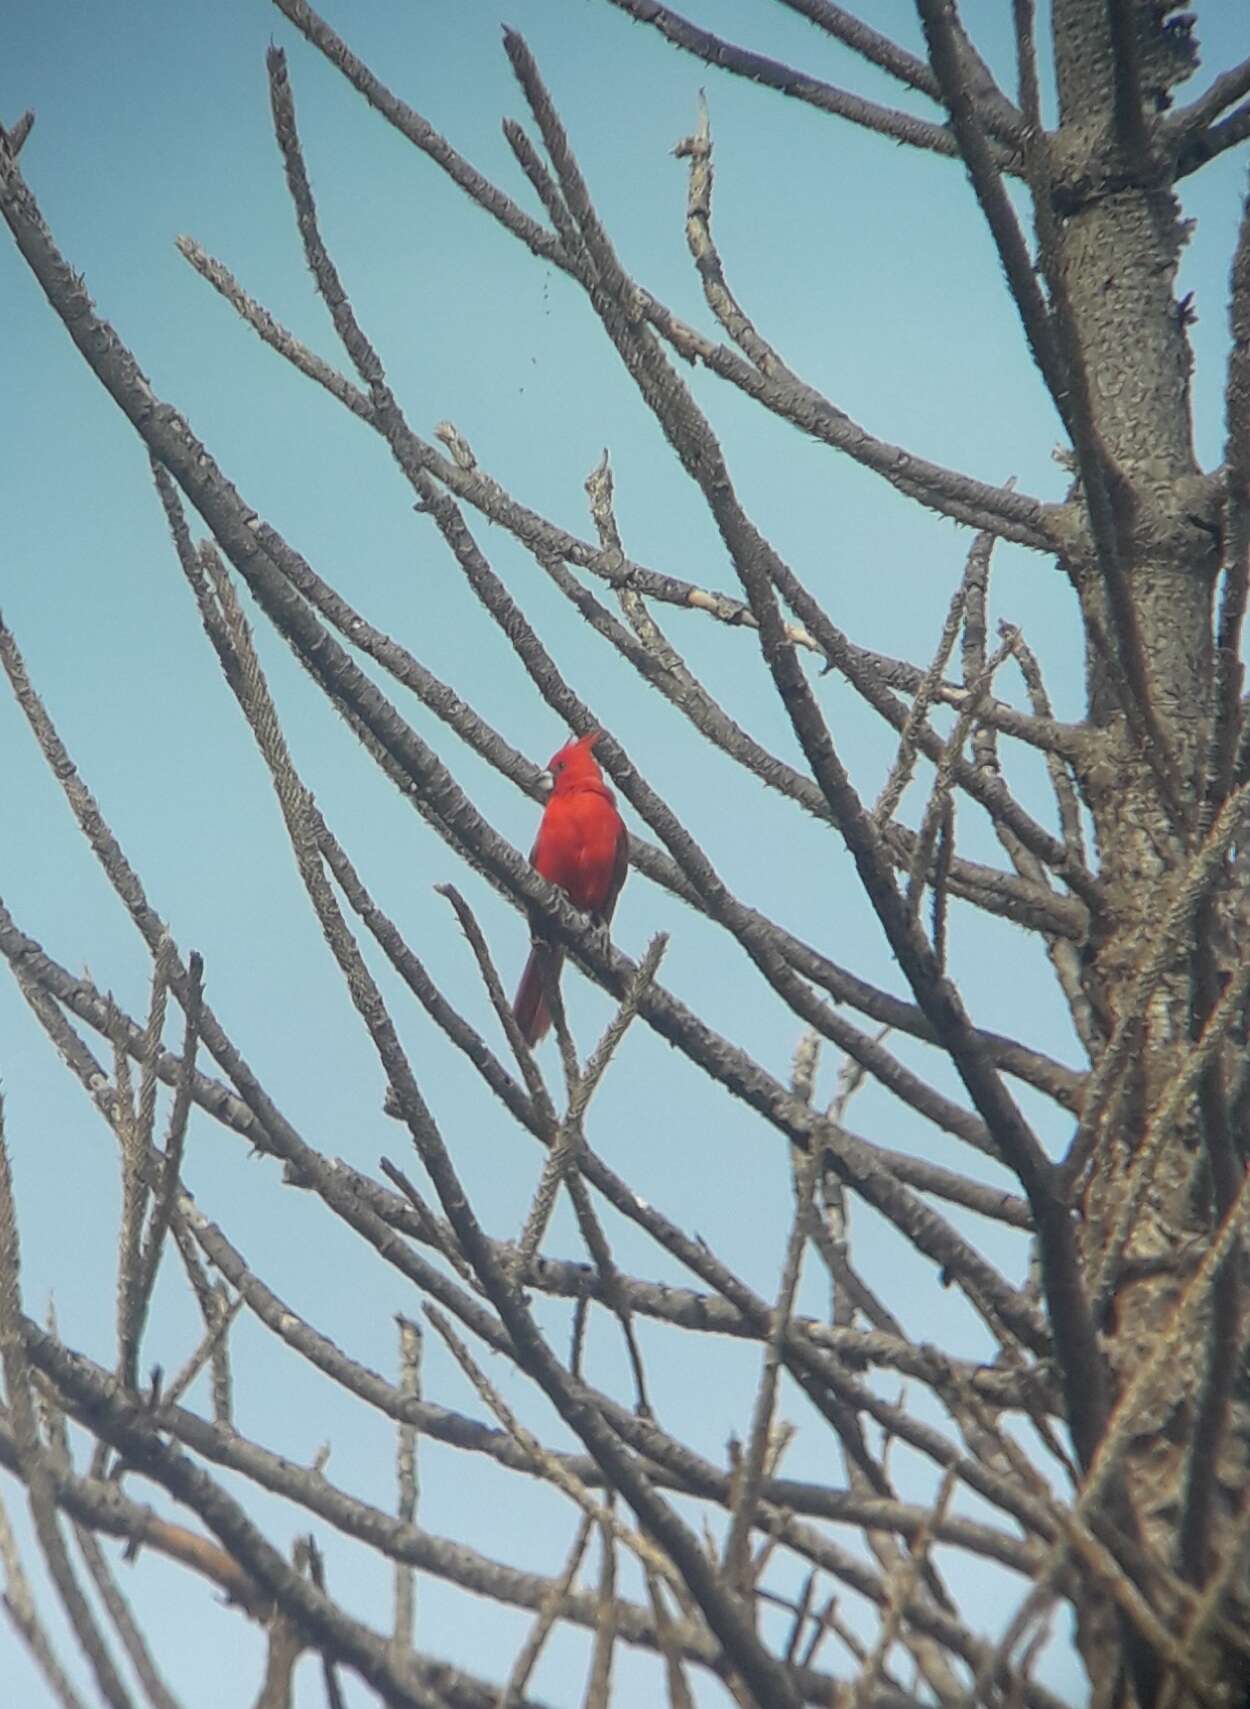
{"x":1119,"y":235}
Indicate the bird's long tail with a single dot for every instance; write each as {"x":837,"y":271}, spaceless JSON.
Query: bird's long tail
{"x":530,"y":1008}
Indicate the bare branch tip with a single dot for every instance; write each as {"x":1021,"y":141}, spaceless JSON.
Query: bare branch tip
{"x":16,"y":138}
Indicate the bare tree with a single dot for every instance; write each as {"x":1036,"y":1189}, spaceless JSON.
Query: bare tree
{"x":1098,"y":1462}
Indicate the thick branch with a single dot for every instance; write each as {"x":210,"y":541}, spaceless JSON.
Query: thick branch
{"x":800,"y":85}
{"x":1012,"y":515}
{"x":754,"y":560}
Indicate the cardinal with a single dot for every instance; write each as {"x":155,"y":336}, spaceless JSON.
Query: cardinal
{"x":583,"y":847}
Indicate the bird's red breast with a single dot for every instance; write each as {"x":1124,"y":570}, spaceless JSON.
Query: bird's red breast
{"x":583,"y":847}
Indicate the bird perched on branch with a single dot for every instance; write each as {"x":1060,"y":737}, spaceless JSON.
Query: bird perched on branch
{"x":583,"y":847}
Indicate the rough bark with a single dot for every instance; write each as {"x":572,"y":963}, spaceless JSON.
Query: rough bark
{"x":1118,"y":235}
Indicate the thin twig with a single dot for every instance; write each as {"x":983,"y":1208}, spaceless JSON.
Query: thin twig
{"x":750,"y":1474}
{"x":761,"y":572}
{"x":599,"y":1685}
{"x":1122,"y":1420}
{"x":32,"y":1456}
{"x":19,"y":1608}
{"x":974,"y":502}
{"x":788,"y":80}
{"x":175,"y":1140}
{"x":527,"y":1656}
{"x":1054,"y":342}
{"x":556,"y":1471}
{"x":406,"y":1470}
{"x":568,"y":1137}
{"x":905,"y":759}
{"x":128,"y":1630}
{"x":902,"y":1583}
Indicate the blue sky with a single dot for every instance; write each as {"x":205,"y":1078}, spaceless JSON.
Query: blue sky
{"x":864,"y":262}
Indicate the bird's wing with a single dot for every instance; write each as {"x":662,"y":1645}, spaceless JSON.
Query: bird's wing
{"x":619,"y":869}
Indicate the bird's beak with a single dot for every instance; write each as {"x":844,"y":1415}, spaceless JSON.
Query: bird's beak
{"x":546,"y":782}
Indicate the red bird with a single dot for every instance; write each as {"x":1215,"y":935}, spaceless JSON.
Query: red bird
{"x":583,"y":847}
